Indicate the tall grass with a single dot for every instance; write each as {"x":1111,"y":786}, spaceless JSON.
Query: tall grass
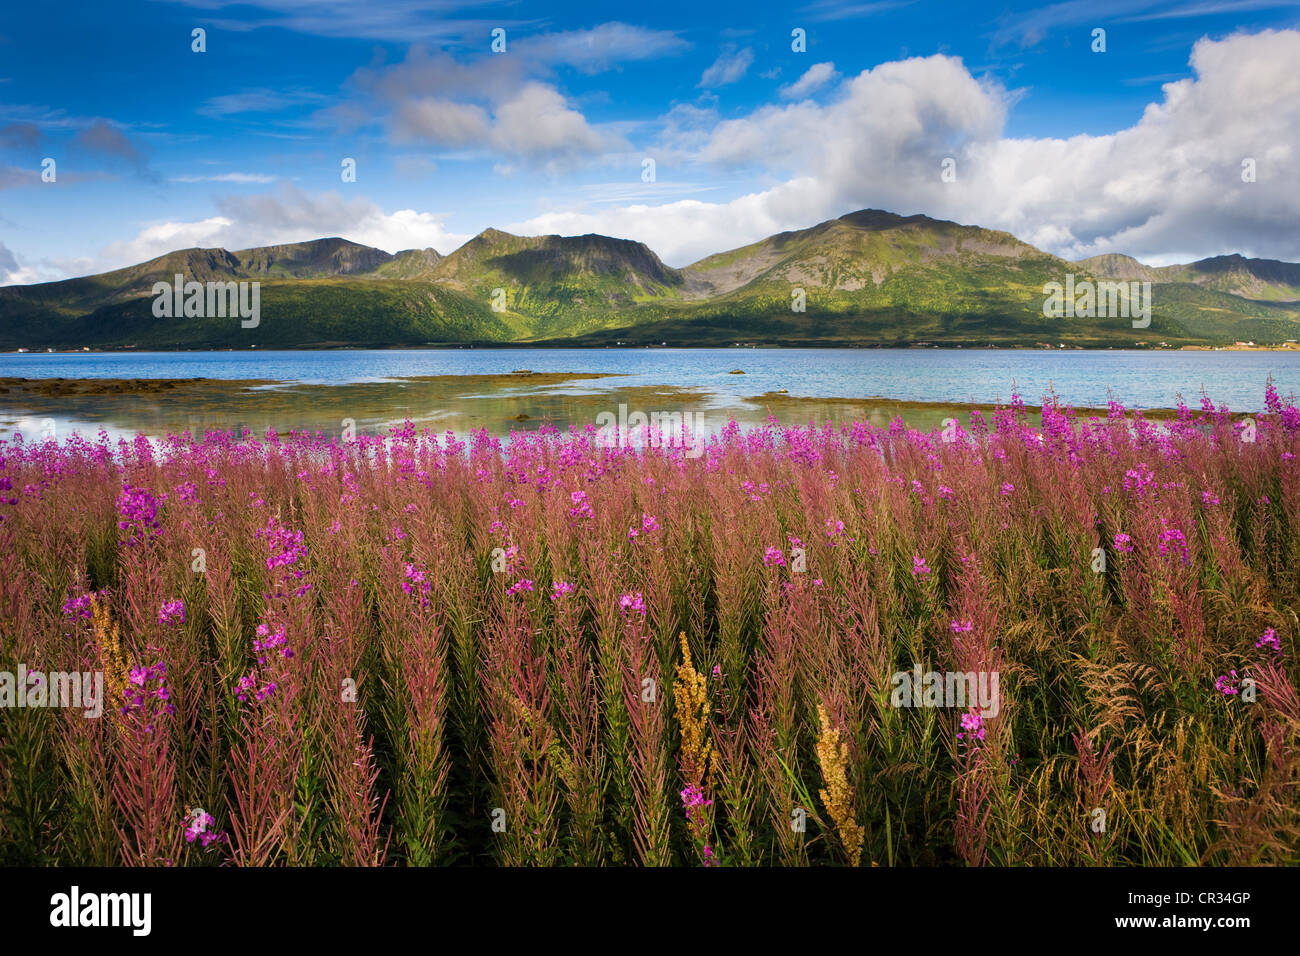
{"x":409,"y":650}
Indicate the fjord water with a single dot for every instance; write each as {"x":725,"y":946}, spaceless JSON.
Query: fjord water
{"x":681,"y":377}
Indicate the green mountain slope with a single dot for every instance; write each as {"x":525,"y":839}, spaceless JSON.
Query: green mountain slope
{"x":867,"y":278}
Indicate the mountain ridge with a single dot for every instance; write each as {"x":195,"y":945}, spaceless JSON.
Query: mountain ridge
{"x":868,"y":277}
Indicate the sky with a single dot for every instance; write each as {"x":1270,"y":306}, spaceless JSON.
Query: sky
{"x":1171,"y":135}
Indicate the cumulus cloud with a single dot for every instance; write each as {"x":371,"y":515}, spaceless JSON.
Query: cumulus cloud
{"x":478,"y":105}
{"x":813,"y":79}
{"x":729,"y":67}
{"x":441,"y":121}
{"x":1168,"y":188}
{"x":684,"y":231}
{"x":536,"y":122}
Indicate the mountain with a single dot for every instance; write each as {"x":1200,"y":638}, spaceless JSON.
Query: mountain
{"x":855,"y":252}
{"x":409,"y":264}
{"x":1264,"y":280}
{"x":1113,"y":265}
{"x":867,"y":278}
{"x":876,"y":277}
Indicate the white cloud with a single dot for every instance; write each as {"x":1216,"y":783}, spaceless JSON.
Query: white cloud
{"x":441,"y":121}
{"x":729,"y":67}
{"x":480,"y":106}
{"x":15,"y":272}
{"x":813,"y":79}
{"x":684,"y":231}
{"x":537,"y":123}
{"x":1167,"y":188}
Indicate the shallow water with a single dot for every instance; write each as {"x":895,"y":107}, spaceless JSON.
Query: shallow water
{"x":318,"y":390}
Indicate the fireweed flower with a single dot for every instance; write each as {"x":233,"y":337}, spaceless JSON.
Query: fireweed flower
{"x":200,"y":828}
{"x":1171,"y":540}
{"x":581,"y":507}
{"x":172,"y":612}
{"x":693,"y":799}
{"x":246,"y":684}
{"x":919,"y":566}
{"x":962,"y":627}
{"x":632,"y":604}
{"x":524,"y":584}
{"x":416,"y":583}
{"x":80,"y":606}
{"x":284,"y":547}
{"x":138,"y":515}
{"x":1270,"y":639}
{"x":1138,"y":480}
{"x":1209,"y":498}
{"x":946,"y":492}
{"x":1123,"y":543}
{"x":1226,"y":683}
{"x":144,"y":687}
{"x":1007,"y":487}
{"x":834,"y":530}
{"x":559,"y":589}
{"x":972,"y":727}
{"x":774,"y":558}
{"x":250,"y":685}
{"x":267,"y":641}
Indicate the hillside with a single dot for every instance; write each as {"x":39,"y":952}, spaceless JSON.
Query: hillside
{"x":867,"y":278}
{"x":1264,"y":280}
{"x":558,"y":285}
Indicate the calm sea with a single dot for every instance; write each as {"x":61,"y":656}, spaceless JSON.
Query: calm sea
{"x":1144,"y":379}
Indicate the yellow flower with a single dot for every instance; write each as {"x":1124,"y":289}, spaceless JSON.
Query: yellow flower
{"x":837,"y":795}
{"x":691,"y":694}
{"x":116,"y":671}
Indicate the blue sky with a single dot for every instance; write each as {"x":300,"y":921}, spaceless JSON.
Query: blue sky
{"x":1137,"y":149}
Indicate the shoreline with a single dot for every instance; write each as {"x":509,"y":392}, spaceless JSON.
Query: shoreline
{"x":501,"y":403}
{"x":561,"y":346}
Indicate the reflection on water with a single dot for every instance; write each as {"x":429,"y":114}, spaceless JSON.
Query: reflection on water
{"x":499,"y":403}
{"x":469,"y":389}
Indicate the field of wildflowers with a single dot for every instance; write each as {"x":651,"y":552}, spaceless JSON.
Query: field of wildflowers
{"x":410,"y":650}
